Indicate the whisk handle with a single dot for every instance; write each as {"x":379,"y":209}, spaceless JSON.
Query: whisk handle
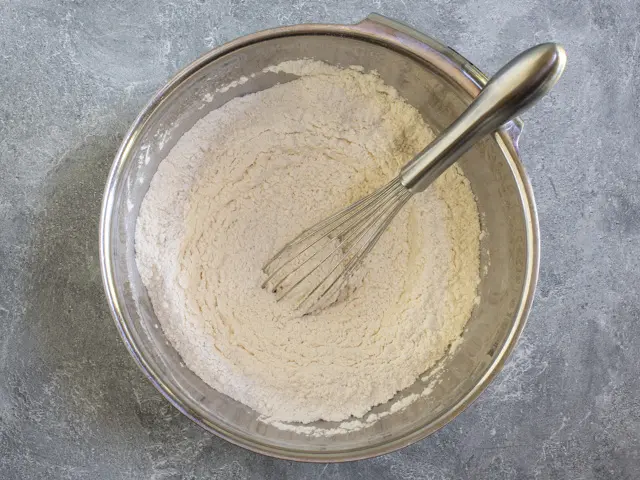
{"x":517,"y":86}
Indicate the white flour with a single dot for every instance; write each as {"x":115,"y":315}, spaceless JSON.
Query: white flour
{"x":253,"y":174}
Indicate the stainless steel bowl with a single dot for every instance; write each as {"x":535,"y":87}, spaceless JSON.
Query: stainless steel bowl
{"x":437,"y":81}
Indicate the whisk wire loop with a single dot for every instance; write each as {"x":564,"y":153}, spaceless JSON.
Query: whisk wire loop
{"x":328,"y":252}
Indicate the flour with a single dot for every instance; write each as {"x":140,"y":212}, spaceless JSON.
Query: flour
{"x":253,"y":174}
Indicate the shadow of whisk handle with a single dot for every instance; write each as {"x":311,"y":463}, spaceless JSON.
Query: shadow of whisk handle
{"x":517,"y":86}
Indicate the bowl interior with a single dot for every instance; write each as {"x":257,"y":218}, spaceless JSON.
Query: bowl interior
{"x":505,"y":249}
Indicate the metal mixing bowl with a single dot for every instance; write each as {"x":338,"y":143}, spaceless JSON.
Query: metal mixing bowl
{"x":437,"y":81}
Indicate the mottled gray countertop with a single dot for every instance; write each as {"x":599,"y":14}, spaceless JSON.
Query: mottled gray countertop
{"x":73,"y":75}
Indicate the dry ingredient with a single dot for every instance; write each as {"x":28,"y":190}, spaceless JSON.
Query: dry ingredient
{"x":250,"y":176}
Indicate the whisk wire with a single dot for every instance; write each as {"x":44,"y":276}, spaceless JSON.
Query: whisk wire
{"x":338,"y":242}
{"x":345,"y":245}
{"x":354,"y":260}
{"x":341,"y":246}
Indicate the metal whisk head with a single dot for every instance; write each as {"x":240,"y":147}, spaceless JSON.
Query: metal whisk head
{"x":313,"y":267}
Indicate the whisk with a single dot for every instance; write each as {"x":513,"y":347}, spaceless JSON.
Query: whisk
{"x":314,"y":267}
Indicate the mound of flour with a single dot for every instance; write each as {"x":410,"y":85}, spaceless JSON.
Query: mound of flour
{"x":253,"y":174}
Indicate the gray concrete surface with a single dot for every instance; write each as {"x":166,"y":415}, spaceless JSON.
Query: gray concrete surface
{"x":73,"y":74}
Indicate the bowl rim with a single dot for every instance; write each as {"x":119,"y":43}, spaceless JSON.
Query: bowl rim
{"x":399,"y":37}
